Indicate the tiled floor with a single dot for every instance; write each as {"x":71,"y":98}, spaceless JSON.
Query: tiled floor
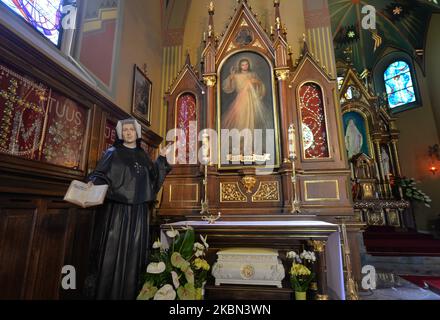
{"x":402,"y":290}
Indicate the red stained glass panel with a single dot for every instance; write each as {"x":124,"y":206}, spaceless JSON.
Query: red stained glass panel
{"x":186,"y":121}
{"x":314,"y":128}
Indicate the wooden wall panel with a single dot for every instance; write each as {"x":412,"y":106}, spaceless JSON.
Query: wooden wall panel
{"x":47,"y":256}
{"x":16,"y":230}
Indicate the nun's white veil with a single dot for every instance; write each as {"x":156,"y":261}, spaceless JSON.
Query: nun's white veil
{"x":136,"y":124}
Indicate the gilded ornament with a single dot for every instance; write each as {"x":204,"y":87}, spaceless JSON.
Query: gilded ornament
{"x":267,"y":192}
{"x":318,"y":246}
{"x":210,"y":81}
{"x":249,"y":183}
{"x":230,"y":192}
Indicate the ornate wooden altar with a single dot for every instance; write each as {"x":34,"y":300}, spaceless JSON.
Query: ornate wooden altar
{"x":286,"y":93}
{"x":371,"y":140}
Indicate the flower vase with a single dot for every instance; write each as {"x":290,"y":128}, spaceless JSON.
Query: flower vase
{"x":201,"y":295}
{"x":299,"y":295}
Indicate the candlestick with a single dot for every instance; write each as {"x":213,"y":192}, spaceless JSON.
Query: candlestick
{"x":292,"y":138}
{"x":205,"y":148}
{"x":296,"y":209}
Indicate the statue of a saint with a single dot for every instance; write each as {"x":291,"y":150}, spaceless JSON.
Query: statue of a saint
{"x":353,"y":139}
{"x":385,"y":162}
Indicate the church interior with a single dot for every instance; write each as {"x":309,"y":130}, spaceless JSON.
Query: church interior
{"x":338,"y":99}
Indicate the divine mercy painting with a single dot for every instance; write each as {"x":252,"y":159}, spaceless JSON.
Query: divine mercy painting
{"x":247,"y":103}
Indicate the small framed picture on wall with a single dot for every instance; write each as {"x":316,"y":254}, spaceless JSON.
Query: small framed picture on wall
{"x":142,"y":96}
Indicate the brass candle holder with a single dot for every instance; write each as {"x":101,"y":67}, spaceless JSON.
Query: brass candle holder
{"x":206,"y":215}
{"x":296,"y":205}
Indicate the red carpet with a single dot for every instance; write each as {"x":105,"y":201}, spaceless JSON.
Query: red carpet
{"x":385,"y":241}
{"x":433,"y":283}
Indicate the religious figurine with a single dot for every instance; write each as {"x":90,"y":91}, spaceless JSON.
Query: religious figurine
{"x":385,"y":162}
{"x":121,"y":236}
{"x":353,"y":139}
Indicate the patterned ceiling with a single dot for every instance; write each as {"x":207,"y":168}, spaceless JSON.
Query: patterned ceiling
{"x":400,"y":24}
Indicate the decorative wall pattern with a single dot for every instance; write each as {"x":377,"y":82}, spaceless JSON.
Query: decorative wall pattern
{"x":315,"y":139}
{"x":38,"y":123}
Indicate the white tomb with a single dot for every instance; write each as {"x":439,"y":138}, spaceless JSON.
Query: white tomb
{"x":248,"y":266}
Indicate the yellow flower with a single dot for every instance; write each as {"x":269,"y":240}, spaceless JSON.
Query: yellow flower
{"x":201,"y":264}
{"x":300,"y":270}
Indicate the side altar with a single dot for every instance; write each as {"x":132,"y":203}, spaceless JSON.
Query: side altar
{"x":274,"y":236}
{"x":258,"y":138}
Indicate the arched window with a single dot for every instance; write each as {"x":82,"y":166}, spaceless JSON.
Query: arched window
{"x":399,"y":84}
{"x":186,"y":116}
{"x":314,"y":126}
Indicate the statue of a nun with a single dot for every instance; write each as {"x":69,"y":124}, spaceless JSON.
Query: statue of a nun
{"x":353,"y":139}
{"x":121,"y":233}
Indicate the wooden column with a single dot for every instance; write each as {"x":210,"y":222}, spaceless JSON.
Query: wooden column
{"x":286,"y":168}
{"x":381,"y":177}
{"x":319,"y":249}
{"x":396,"y":161}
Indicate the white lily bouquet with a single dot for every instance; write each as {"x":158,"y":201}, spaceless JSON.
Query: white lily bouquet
{"x":178,"y":272}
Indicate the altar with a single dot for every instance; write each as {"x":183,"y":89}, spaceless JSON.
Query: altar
{"x":322,"y":237}
{"x":281,"y":180}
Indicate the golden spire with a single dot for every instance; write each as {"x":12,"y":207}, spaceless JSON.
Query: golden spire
{"x":211,"y":8}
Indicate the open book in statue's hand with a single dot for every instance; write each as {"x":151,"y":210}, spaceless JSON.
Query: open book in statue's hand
{"x":85,"y":195}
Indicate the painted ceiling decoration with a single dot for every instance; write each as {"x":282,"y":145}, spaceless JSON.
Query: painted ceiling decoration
{"x":400,"y":24}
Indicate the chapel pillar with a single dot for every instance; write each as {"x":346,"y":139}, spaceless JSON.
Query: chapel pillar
{"x":321,"y":276}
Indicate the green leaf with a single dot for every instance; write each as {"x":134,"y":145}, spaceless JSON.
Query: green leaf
{"x":185,"y":244}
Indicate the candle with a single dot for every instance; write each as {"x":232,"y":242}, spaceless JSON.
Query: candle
{"x":204,"y":36}
{"x":292,"y":146}
{"x":205,"y":148}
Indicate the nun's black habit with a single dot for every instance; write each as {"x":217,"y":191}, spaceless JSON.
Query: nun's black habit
{"x":121,"y":235}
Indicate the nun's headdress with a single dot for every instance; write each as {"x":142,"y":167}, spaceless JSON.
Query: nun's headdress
{"x":134,"y":122}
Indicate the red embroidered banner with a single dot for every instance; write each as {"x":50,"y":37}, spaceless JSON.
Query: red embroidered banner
{"x":38,"y":123}
{"x":65,"y":134}
{"x":315,"y":140}
{"x":22,"y":114}
{"x":109,"y":134}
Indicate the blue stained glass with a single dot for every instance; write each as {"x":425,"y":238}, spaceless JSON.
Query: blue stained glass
{"x":396,"y":69}
{"x":399,"y":84}
{"x":43,"y":15}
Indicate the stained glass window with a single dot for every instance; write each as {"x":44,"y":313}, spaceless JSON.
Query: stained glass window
{"x":315,"y":140}
{"x":186,"y":117}
{"x":399,"y":84}
{"x":43,"y":15}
